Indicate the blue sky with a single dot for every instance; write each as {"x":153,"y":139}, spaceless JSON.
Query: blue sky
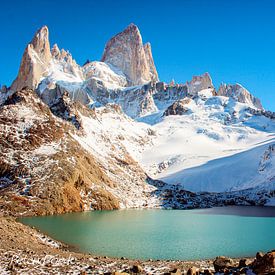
{"x":232,"y":40}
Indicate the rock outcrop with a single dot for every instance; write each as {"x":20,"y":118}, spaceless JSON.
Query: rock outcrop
{"x":239,"y":93}
{"x":127,"y":52}
{"x":35,"y":61}
{"x":178,"y":107}
{"x":199,"y":83}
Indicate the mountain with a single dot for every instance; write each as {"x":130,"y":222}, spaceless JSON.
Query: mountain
{"x":110,"y":135}
{"x":126,"y":52}
{"x":35,"y":62}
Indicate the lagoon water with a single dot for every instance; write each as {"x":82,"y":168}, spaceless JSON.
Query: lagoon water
{"x":165,"y":234}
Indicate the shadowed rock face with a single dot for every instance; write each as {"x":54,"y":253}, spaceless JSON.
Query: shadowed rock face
{"x":239,"y":93}
{"x":35,"y":61}
{"x":127,"y":52}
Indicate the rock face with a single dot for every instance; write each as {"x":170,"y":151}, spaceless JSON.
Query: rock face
{"x":127,"y":52}
{"x":35,"y":61}
{"x":199,"y":83}
{"x":239,"y":93}
{"x":150,"y":61}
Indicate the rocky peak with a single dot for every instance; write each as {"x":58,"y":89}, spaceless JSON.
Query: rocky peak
{"x":41,"y":44}
{"x":55,"y":51}
{"x":199,"y":83}
{"x":35,"y":61}
{"x":126,"y":52}
{"x":150,"y":61}
{"x":239,"y":93}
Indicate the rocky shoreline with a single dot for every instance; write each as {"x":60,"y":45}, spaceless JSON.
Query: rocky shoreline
{"x":24,"y":250}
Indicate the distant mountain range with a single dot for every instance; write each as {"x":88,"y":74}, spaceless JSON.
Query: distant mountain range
{"x":109,"y":134}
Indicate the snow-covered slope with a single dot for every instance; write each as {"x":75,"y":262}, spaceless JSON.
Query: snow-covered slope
{"x":216,"y":146}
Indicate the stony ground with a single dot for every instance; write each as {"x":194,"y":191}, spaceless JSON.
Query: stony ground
{"x":24,"y":250}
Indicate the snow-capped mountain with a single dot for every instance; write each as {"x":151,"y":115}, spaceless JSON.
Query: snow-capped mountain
{"x":109,"y":134}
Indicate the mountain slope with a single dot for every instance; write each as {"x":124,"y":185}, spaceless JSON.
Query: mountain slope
{"x":215,"y":145}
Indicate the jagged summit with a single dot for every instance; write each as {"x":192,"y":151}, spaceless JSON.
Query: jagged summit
{"x":35,"y":61}
{"x":126,"y":63}
{"x":199,"y":83}
{"x":41,"y":43}
{"x":127,"y":52}
{"x":238,"y":92}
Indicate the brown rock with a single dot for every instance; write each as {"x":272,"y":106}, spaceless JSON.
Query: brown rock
{"x":221,"y":263}
{"x":175,"y":271}
{"x":192,"y":271}
{"x":264,"y":263}
{"x":137,"y":269}
{"x":242,"y":263}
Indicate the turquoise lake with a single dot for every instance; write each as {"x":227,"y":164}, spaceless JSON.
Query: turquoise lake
{"x":165,"y":234}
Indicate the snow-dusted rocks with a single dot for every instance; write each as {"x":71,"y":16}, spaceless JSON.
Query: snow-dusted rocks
{"x":111,"y":77}
{"x":199,"y":83}
{"x":178,"y":107}
{"x":42,"y":168}
{"x":239,"y":93}
{"x":127,"y":52}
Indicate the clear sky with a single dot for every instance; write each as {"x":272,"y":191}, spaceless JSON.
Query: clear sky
{"x":233,"y":40}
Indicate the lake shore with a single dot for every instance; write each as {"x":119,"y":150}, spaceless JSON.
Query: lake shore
{"x":24,"y":249}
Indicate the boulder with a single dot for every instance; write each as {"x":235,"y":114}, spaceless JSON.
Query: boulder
{"x":264,"y":263}
{"x":137,"y":269}
{"x":242,"y":263}
{"x":192,"y":271}
{"x":221,"y":263}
